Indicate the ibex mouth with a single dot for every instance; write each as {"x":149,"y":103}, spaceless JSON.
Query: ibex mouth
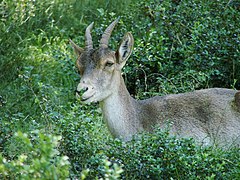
{"x":85,"y":99}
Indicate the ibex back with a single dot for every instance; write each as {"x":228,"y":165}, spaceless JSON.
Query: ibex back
{"x":210,"y":116}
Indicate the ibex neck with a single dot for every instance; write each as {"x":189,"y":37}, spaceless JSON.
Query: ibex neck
{"x":119,"y":112}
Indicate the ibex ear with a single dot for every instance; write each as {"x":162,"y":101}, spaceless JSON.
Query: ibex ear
{"x":76,"y":48}
{"x":125,"y":49}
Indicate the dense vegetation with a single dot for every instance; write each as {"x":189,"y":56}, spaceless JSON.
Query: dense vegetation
{"x":45,"y":133}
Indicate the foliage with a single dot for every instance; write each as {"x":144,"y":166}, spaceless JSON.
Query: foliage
{"x":110,"y":173}
{"x":39,"y":159}
{"x":179,"y":46}
{"x":185,"y":44}
{"x":156,"y":155}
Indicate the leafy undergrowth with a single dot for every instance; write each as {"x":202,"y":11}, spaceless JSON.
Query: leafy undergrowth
{"x":154,"y":155}
{"x":38,"y":159}
{"x":45,"y":133}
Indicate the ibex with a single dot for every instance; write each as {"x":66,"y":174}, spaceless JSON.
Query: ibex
{"x":210,"y":116}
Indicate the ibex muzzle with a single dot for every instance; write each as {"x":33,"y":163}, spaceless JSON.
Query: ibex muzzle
{"x":210,"y":116}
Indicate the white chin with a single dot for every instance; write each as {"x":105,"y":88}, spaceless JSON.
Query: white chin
{"x":89,"y":100}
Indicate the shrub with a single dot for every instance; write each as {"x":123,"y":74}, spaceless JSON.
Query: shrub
{"x":38,"y":159}
{"x":154,"y":156}
{"x":183,"y":45}
{"x":179,"y":46}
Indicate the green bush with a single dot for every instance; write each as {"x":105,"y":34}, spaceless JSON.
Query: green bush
{"x":154,"y":155}
{"x":184,"y":46}
{"x":179,"y":46}
{"x":38,"y":159}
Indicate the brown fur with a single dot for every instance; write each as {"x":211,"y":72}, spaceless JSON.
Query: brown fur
{"x":206,"y":115}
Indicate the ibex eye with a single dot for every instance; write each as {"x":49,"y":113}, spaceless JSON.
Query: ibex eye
{"x":109,"y":64}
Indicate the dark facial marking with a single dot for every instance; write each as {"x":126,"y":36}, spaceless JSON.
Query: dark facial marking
{"x":125,"y":46}
{"x":93,"y":58}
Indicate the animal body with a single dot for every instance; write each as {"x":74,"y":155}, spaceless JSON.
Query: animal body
{"x":210,"y":116}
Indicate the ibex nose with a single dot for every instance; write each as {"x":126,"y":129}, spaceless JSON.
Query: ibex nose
{"x":84,"y":89}
{"x":81,"y":91}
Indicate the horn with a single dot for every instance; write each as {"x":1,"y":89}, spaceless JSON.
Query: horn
{"x":88,"y":37}
{"x":107,"y":33}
